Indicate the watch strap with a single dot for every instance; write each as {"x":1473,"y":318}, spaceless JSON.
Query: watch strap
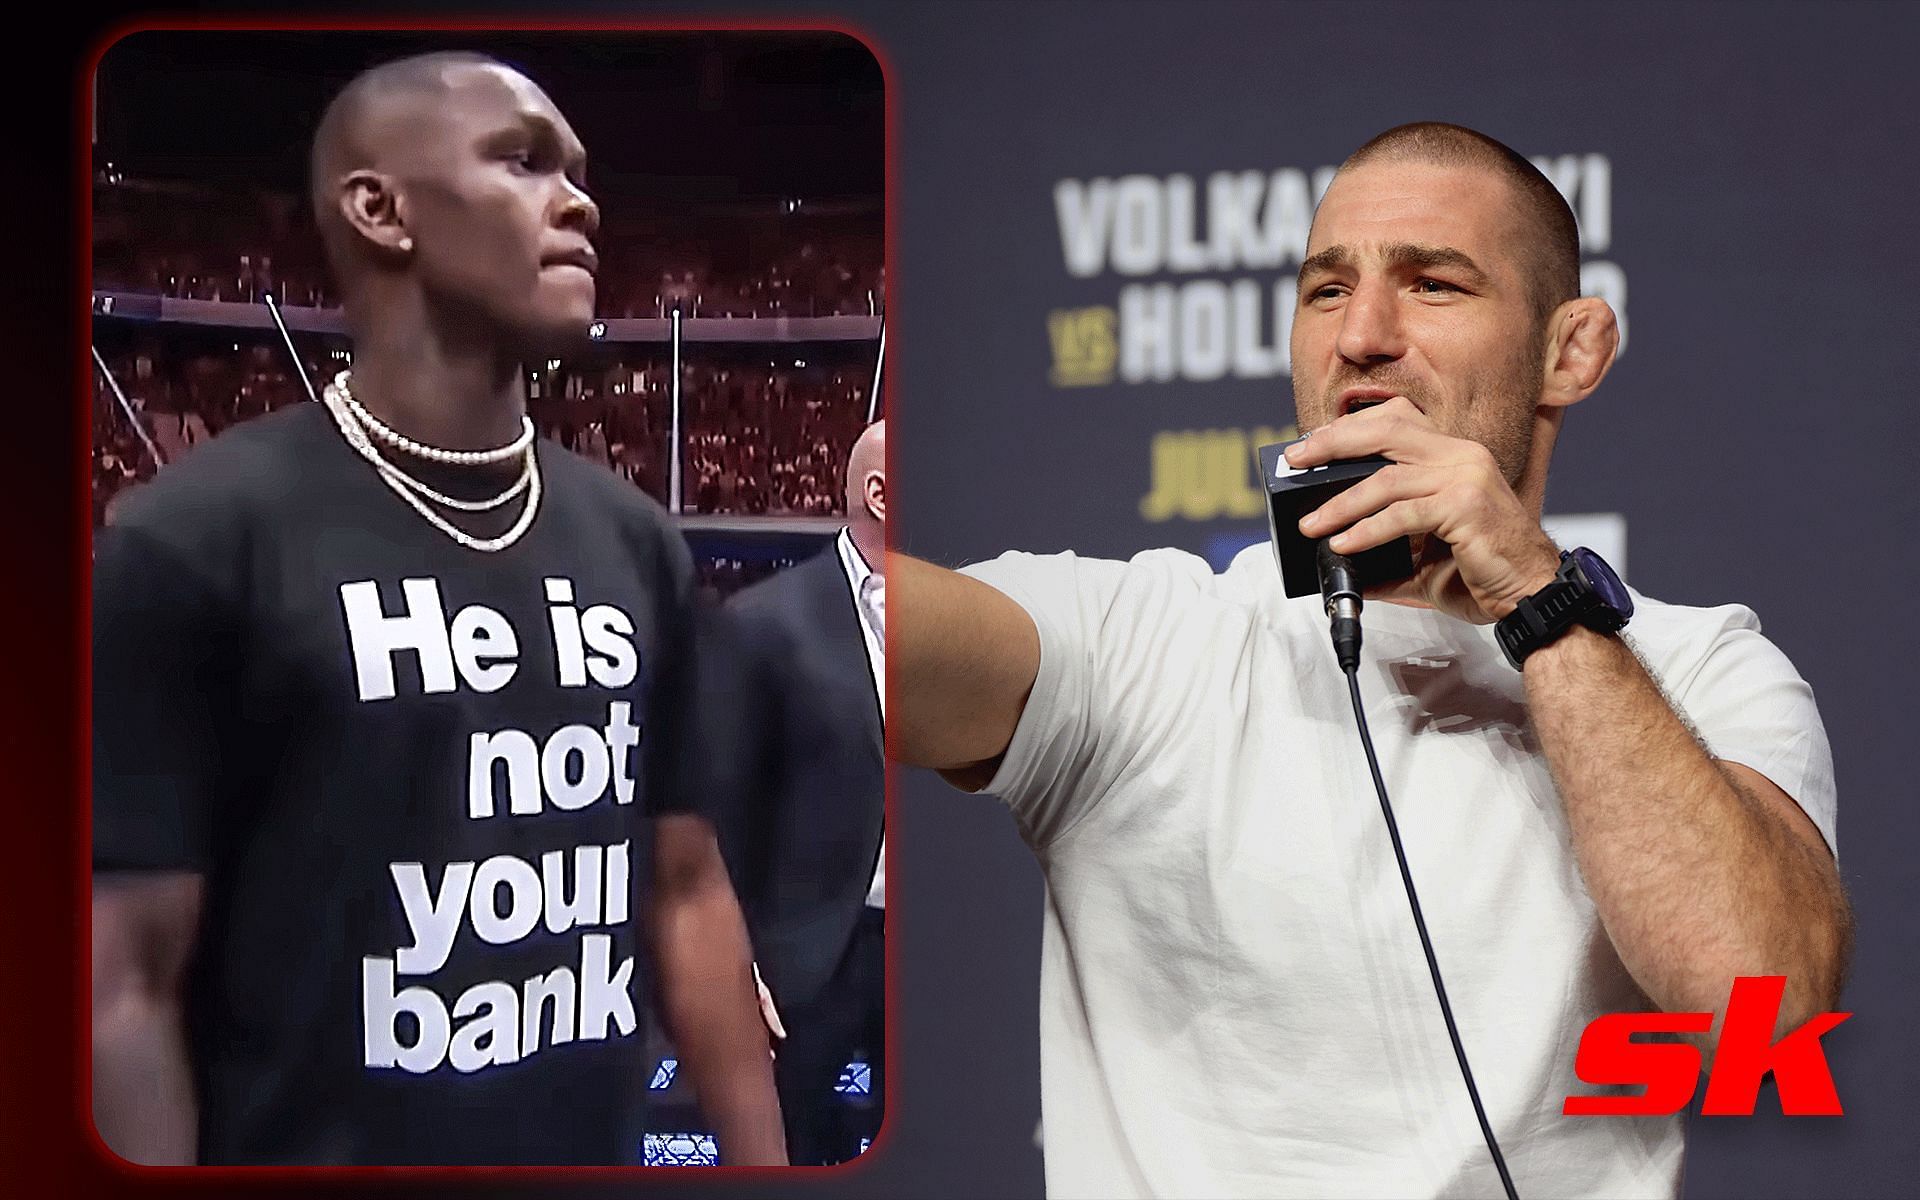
{"x":1540,"y":619}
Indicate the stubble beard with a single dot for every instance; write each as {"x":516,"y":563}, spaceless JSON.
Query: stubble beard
{"x":1498,"y":413}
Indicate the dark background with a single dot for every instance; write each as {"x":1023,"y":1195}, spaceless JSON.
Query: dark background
{"x":1756,"y":436}
{"x":701,"y":102}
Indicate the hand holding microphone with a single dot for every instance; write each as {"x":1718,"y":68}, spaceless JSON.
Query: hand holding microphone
{"x":1483,"y":551}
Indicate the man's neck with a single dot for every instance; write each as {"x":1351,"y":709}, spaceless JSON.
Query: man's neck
{"x":456,"y":397}
{"x":870,"y":543}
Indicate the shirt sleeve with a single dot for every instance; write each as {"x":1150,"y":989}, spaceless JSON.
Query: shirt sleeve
{"x":670,"y":755}
{"x":1752,"y":707}
{"x":162,"y":672}
{"x":1101,"y":695}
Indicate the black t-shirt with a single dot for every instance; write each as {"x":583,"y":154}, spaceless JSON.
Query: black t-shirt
{"x":414,"y":777}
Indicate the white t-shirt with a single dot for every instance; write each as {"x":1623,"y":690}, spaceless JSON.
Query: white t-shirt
{"x":1233,"y":1000}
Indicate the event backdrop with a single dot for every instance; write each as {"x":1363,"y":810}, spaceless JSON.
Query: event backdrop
{"x":1097,"y":210}
{"x":1100,"y":209}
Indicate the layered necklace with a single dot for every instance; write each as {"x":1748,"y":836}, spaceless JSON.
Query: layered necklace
{"x":362,"y":429}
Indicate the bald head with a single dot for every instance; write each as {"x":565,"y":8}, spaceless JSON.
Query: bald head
{"x":363,"y":122}
{"x":1552,"y":249}
{"x":450,"y":195}
{"x":867,"y":493}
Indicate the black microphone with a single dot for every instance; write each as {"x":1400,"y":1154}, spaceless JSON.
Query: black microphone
{"x":1340,"y":588}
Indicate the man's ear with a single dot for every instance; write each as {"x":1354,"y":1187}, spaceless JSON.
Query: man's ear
{"x":371,"y":207}
{"x":1584,"y":337}
{"x":875,"y":493}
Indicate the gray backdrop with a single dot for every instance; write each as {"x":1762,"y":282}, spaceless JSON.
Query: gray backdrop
{"x":1756,"y":435}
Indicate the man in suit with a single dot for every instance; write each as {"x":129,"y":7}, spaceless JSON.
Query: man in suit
{"x":809,"y":855}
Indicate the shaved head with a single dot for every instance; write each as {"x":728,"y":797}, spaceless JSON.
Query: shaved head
{"x":359,"y":121}
{"x":450,"y":193}
{"x":1552,"y":237}
{"x":869,"y":454}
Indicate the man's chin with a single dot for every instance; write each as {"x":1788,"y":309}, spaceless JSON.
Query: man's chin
{"x":555,"y":336}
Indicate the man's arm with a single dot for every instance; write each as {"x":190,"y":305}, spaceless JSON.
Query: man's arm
{"x":707,"y":997}
{"x":961,"y":660}
{"x":144,"y":927}
{"x":1701,"y":870}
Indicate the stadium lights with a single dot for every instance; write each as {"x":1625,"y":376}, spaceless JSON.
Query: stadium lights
{"x":553,"y":364}
{"x":597,"y":330}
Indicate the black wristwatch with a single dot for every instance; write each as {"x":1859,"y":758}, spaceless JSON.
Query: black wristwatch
{"x":1585,"y":592}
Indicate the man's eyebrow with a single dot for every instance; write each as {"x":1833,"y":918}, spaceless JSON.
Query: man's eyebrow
{"x":1398,"y":254}
{"x":1326,"y":260}
{"x":1411,"y":254}
{"x":546,"y":133}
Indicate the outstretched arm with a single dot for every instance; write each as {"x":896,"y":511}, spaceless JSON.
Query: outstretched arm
{"x":961,"y":660}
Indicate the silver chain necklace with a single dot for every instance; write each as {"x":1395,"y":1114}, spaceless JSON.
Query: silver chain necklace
{"x":383,"y":432}
{"x":356,"y":424}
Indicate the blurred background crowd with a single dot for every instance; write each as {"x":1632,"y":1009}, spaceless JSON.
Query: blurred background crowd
{"x":762,"y":215}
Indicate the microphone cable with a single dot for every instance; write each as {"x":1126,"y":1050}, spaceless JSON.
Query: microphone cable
{"x":1340,"y":586}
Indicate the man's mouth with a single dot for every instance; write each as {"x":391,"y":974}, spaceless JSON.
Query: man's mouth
{"x":582,"y":257}
{"x":1355,"y":399}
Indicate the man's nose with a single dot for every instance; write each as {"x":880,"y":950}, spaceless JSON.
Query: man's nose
{"x":1370,"y":330}
{"x":577,"y":209}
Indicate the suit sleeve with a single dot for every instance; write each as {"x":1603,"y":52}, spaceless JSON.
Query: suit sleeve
{"x":740,"y":701}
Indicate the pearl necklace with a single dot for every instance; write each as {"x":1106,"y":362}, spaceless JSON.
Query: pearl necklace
{"x":355,"y":421}
{"x":406,"y":445}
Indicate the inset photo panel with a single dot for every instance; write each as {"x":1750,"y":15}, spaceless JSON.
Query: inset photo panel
{"x":488,"y":473}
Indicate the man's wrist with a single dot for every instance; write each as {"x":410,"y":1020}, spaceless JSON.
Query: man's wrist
{"x":752,"y":1140}
{"x":1577,"y":644}
{"x":1585,"y":592}
{"x":1536,"y":581}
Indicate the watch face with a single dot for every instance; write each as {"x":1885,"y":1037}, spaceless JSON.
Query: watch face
{"x":1611,"y":591}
